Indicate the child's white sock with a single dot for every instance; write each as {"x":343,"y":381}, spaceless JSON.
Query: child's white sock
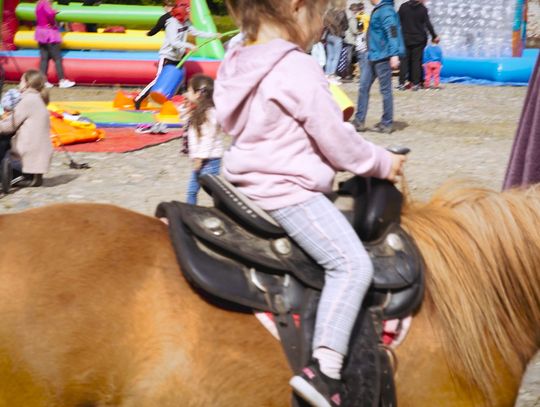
{"x":330,"y":362}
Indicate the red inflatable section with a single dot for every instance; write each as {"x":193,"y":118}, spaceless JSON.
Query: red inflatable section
{"x":10,"y":24}
{"x":103,"y":71}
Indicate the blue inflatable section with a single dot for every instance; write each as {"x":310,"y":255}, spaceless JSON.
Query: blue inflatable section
{"x":503,"y":70}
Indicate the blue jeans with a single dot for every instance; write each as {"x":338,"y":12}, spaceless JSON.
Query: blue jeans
{"x":361,"y":57}
{"x":371,"y":71}
{"x":333,"y":51}
{"x":209,"y":166}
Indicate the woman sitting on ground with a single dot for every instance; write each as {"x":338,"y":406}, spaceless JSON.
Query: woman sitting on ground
{"x":30,"y":122}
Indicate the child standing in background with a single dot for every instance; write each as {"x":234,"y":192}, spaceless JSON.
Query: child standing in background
{"x":49,"y":40}
{"x":205,"y":138}
{"x":433,"y":57}
{"x":289,"y":140}
{"x":175,"y":45}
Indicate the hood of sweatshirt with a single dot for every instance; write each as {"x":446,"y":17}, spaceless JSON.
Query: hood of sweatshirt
{"x":239,"y":75}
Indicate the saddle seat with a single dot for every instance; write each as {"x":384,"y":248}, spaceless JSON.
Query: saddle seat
{"x":236,"y":252}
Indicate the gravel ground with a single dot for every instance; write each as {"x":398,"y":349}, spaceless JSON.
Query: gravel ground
{"x":460,"y":132}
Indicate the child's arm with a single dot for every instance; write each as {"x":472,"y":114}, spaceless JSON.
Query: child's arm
{"x":160,"y":25}
{"x":202,"y":34}
{"x":171,"y":32}
{"x":338,"y":141}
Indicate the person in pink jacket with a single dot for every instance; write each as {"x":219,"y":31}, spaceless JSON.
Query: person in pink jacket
{"x":49,"y":40}
{"x":289,"y":139}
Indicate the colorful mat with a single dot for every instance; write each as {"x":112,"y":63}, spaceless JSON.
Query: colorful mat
{"x":103,"y":114}
{"x":122,"y":140}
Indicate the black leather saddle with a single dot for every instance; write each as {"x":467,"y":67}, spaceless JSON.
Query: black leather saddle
{"x":238,"y":253}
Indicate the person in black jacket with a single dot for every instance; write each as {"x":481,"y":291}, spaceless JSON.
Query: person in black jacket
{"x":415,"y":24}
{"x":160,"y":24}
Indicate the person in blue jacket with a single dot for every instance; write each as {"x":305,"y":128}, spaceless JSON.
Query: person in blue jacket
{"x":385,"y":46}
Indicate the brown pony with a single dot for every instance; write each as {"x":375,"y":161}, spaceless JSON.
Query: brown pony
{"x":94,"y":312}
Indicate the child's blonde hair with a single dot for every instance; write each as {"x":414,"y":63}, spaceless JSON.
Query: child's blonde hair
{"x":250,"y":14}
{"x":35,"y":80}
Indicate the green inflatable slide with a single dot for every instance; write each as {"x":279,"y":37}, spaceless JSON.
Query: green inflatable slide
{"x":141,"y":16}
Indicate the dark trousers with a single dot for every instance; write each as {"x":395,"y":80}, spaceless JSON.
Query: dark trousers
{"x":411,"y":65}
{"x":50,"y":51}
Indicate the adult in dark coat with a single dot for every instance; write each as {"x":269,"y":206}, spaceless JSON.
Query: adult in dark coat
{"x":524,"y":166}
{"x":415,"y":24}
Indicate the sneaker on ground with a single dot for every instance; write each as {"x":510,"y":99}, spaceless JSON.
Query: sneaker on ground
{"x":144,"y":128}
{"x":163,"y":129}
{"x":156,"y":128}
{"x":359,"y":126}
{"x":401,"y":87}
{"x":381,"y":128}
{"x":315,"y":387}
{"x":65,"y":83}
{"x":48,"y":85}
{"x":416,"y":88}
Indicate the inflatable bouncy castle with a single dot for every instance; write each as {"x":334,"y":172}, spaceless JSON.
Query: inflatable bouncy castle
{"x":482,"y":28}
{"x":484,"y":39}
{"x":103,"y":58}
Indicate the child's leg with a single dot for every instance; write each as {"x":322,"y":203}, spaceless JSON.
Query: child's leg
{"x":55,"y":52}
{"x":437,"y":66}
{"x":326,"y":235}
{"x":427,"y":75}
{"x":193,"y":188}
{"x":146,"y":91}
{"x":44,"y":59}
{"x":211,"y":166}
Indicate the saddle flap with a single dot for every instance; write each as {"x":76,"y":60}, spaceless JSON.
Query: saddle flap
{"x":222,"y":277}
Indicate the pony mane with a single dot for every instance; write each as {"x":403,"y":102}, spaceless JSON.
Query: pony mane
{"x":482,"y":255}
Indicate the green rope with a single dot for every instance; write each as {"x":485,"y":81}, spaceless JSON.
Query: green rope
{"x":190,"y":53}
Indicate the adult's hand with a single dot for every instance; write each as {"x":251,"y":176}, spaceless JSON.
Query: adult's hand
{"x":394,"y":62}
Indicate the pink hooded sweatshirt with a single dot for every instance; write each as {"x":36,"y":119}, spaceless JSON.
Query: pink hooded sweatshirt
{"x":289,"y":138}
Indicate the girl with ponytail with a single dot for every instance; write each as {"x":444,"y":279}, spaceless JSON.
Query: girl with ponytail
{"x":205,"y":138}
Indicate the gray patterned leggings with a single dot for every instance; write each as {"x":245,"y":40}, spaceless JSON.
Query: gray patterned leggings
{"x":326,"y":235}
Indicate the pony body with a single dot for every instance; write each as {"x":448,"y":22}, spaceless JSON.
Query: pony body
{"x":95,"y":312}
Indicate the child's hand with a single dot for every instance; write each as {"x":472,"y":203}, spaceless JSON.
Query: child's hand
{"x":197,"y":164}
{"x":398,"y":160}
{"x":394,"y":62}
